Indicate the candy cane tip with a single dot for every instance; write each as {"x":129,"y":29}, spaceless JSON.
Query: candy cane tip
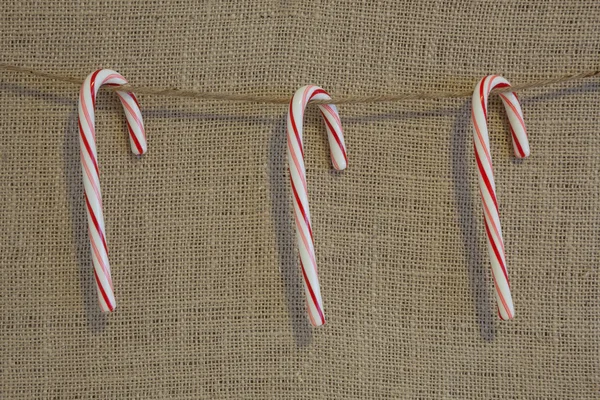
{"x":522,"y":149}
{"x":108,"y":309}
{"x":139,"y":149}
{"x":526,"y":153}
{"x":506,"y":317}
{"x":341,"y":167}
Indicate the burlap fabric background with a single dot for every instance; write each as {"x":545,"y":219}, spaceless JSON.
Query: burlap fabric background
{"x":210,"y":303}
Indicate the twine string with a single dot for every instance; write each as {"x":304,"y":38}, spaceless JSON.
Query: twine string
{"x":340,"y":99}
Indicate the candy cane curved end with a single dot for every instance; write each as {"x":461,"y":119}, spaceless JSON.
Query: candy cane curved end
{"x":339,"y":159}
{"x":91,"y":172}
{"x":487,"y":185}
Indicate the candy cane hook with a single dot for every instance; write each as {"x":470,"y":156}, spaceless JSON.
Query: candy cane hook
{"x":487,"y":185}
{"x":91,"y":177}
{"x":304,"y":234}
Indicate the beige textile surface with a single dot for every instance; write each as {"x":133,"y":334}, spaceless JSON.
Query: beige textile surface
{"x":200,"y":230}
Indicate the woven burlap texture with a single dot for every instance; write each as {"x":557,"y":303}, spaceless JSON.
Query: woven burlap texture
{"x":201,"y":233}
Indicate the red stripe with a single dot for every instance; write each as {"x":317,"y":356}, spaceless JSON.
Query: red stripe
{"x":333,"y":131}
{"x":510,"y":105}
{"x":496,"y":252}
{"x":96,"y":224}
{"x":306,"y":243}
{"x":310,"y":317}
{"x":135,"y":139}
{"x":92,"y":86}
{"x":90,"y":177}
{"x":482,"y":97}
{"x":500,"y":315}
{"x":514,"y":110}
{"x":129,"y":111}
{"x":502,"y":300}
{"x":306,"y":220}
{"x":520,"y":151}
{"x":488,"y":213}
{"x":335,"y":164}
{"x":296,"y":130}
{"x":299,"y":169}
{"x":480,"y":136}
{"x":100,"y":260}
{"x":139,"y":108}
{"x":501,"y":85}
{"x":486,"y":180}
{"x":335,"y":136}
{"x":318,"y":91}
{"x":102,"y":292}
{"x":332,"y":112}
{"x":86,"y":113}
{"x":116,"y":75}
{"x":312,"y":294}
{"x":87,"y":147}
{"x":134,"y":99}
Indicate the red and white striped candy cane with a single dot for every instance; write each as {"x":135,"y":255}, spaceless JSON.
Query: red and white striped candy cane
{"x":91,"y":177}
{"x":304,"y":234}
{"x":487,"y":185}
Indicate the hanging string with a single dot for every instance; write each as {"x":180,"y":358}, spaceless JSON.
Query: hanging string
{"x":341,"y":99}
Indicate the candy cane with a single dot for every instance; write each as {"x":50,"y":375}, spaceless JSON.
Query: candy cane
{"x":304,"y":234}
{"x":486,"y":179}
{"x":91,"y":177}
